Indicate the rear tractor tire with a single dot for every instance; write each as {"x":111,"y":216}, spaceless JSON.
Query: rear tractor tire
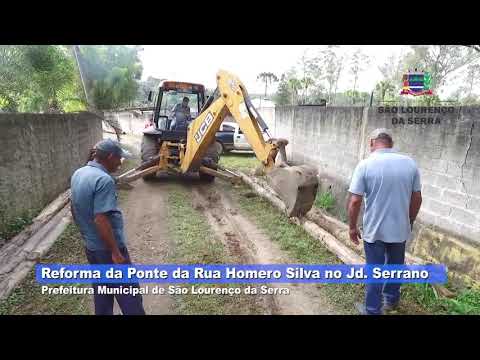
{"x":150,"y":148}
{"x":206,"y":178}
{"x":211,"y":158}
{"x":219,"y":148}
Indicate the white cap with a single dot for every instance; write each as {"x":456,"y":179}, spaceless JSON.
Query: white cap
{"x":377,"y":132}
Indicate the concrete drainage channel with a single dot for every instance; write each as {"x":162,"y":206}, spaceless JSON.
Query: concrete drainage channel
{"x":22,"y":252}
{"x":19,"y":255}
{"x":311,"y":223}
{"x":344,"y":253}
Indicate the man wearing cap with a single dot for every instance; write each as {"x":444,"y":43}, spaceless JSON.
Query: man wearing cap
{"x":95,"y":211}
{"x":390,"y":184}
{"x":181,"y":115}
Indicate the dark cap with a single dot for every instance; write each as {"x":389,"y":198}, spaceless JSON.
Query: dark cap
{"x":112,"y":147}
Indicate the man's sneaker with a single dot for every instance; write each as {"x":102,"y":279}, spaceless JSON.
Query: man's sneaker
{"x":361,"y":309}
{"x":390,"y":307}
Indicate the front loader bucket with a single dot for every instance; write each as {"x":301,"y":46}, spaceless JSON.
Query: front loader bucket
{"x":296,"y":185}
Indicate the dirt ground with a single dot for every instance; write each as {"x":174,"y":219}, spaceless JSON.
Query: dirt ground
{"x":146,"y":229}
{"x":241,"y":236}
{"x":145,"y":217}
{"x":181,"y":220}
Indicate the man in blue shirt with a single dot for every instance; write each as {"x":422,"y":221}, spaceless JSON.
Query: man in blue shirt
{"x":390,"y":184}
{"x":181,"y":115}
{"x":94,"y":208}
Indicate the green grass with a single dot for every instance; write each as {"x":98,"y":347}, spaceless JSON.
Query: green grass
{"x":11,"y":226}
{"x":27,"y":298}
{"x":466,"y":302}
{"x":194,"y":242}
{"x":325,"y":201}
{"x":239,"y":161}
{"x":416,"y":298}
{"x":303,"y":248}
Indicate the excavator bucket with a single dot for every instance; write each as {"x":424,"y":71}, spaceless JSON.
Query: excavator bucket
{"x":296,"y":185}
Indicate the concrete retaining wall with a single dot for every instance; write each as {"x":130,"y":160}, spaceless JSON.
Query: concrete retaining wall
{"x":130,"y":122}
{"x":445,"y":142}
{"x":38,"y":154}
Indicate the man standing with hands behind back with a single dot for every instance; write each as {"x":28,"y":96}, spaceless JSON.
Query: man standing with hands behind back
{"x":390,"y":183}
{"x":95,"y":211}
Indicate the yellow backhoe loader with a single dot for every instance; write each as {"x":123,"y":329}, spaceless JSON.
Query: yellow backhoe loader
{"x":189,"y":145}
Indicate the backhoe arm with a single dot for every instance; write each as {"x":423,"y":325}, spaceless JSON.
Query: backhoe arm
{"x":296,"y":185}
{"x":230,"y":98}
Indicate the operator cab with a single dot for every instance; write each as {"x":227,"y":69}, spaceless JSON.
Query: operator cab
{"x":171,"y":93}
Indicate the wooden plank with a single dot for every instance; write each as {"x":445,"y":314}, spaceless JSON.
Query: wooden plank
{"x":337,"y":247}
{"x":45,"y":215}
{"x":138,"y":175}
{"x":14,"y":268}
{"x":212,"y":172}
{"x":268,"y":194}
{"x":342,"y":251}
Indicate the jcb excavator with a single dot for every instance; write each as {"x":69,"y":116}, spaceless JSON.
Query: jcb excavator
{"x":194,"y":149}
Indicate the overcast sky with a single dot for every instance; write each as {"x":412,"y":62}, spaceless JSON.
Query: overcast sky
{"x":200,"y":63}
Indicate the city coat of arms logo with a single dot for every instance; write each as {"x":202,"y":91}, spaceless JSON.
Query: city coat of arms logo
{"x":416,"y":83}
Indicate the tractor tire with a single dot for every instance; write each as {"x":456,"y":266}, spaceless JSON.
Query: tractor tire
{"x":219,"y":147}
{"x":212,"y":153}
{"x":206,"y":178}
{"x":150,"y":148}
{"x":212,"y":157}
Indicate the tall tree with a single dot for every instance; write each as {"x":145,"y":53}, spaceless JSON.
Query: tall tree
{"x":332,"y":64}
{"x":384,"y":88}
{"x":144,"y":88}
{"x":294,"y":85}
{"x":465,"y":93}
{"x":358,"y":63}
{"x":440,"y":61}
{"x":392,"y":71}
{"x":14,"y":70}
{"x":112,"y":74}
{"x":267,"y":78}
{"x":472,"y":78}
{"x":39,"y":78}
{"x":283,"y":94}
{"x":310,"y":72}
{"x":52,"y":70}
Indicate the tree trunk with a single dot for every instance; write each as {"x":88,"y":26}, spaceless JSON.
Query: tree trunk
{"x":354,"y":88}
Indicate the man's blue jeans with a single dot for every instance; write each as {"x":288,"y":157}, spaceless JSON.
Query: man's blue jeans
{"x":129,"y":304}
{"x":382,"y":253}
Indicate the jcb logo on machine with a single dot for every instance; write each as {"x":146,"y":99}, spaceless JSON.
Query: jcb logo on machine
{"x":203,"y":128}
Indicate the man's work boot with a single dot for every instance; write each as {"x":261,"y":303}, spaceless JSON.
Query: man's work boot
{"x":362,"y":310}
{"x":390,"y":307}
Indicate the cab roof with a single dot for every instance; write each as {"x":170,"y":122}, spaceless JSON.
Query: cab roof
{"x":181,"y":86}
